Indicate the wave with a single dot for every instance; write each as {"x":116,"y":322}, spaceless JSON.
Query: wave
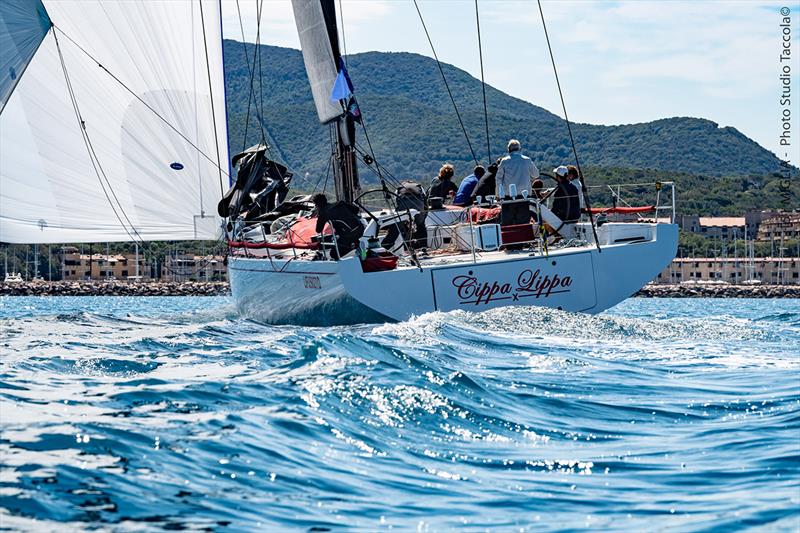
{"x":175,"y":413}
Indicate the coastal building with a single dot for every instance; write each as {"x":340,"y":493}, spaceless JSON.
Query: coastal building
{"x":766,"y":270}
{"x":754,"y":217}
{"x":76,"y":266}
{"x":714,"y":227}
{"x":780,"y":226}
{"x":186,"y":267}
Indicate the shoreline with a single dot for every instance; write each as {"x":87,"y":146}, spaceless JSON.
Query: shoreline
{"x":221,"y":288}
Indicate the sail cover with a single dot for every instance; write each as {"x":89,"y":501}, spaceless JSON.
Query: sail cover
{"x":116,"y":130}
{"x":316,"y":26}
{"x":23,"y":25}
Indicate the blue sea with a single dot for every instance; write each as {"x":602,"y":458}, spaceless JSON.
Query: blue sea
{"x":125,"y":414}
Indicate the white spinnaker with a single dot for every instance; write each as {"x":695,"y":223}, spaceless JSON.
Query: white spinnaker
{"x":50,"y":190}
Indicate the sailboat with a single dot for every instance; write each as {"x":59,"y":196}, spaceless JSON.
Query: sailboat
{"x":284,"y":274}
{"x":113,"y":128}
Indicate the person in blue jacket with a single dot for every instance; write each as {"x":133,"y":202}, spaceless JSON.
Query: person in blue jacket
{"x":468,"y":184}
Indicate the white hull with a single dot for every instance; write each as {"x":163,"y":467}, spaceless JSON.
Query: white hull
{"x":307,"y":293}
{"x":338,"y":292}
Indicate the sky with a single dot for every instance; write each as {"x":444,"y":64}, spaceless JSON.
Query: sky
{"x":619,"y":62}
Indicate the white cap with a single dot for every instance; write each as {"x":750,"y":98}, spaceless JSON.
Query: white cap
{"x":561,"y":171}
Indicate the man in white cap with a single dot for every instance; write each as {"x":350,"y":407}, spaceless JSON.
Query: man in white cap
{"x":517,"y":170}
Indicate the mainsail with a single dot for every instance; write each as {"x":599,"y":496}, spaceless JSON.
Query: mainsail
{"x":113,"y":127}
{"x":316,"y":26}
{"x":319,"y":39}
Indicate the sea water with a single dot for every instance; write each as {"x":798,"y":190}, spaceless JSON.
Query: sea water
{"x":173,"y":413}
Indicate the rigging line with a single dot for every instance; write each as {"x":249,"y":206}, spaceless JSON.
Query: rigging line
{"x":346,"y":66}
{"x":100,"y":172}
{"x":251,"y":69}
{"x":344,"y":42}
{"x":569,"y":129}
{"x":327,"y":174}
{"x":148,"y":106}
{"x":87,"y":143}
{"x":195,"y":92}
{"x":321,"y":176}
{"x":483,"y":84}
{"x":250,"y":73}
{"x":265,"y":132}
{"x":381,"y":171}
{"x":211,"y":97}
{"x":447,"y":86}
{"x":369,"y":144}
{"x":391,"y":177}
{"x":260,"y":110}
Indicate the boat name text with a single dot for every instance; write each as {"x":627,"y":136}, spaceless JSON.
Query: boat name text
{"x":312,"y":282}
{"x":529,"y":283}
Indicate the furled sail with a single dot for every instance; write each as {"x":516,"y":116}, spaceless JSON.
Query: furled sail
{"x":316,"y":26}
{"x":116,"y":130}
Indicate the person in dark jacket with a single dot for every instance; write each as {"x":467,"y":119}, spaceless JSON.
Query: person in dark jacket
{"x":443,"y":186}
{"x":566,"y":202}
{"x":464,"y":195}
{"x":344,"y":219}
{"x":410,"y":195}
{"x":487,"y":184}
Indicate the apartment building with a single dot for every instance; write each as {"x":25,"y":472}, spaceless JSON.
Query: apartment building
{"x":781,"y":225}
{"x":714,"y":227}
{"x":188,"y":267}
{"x":76,"y":266}
{"x":767,"y":270}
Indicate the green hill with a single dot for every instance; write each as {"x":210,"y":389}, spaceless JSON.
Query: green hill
{"x":413,"y":128}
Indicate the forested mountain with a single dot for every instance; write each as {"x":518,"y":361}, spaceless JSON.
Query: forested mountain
{"x":413,"y":129}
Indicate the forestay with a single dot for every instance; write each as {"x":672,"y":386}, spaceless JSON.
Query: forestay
{"x":153,"y":161}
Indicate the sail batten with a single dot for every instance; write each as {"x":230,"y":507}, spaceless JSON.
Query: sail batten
{"x":154,"y":114}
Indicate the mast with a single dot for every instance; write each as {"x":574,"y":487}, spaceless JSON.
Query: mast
{"x":347,"y":185}
{"x":319,"y":40}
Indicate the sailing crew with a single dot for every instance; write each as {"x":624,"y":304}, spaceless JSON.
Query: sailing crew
{"x":464,"y":194}
{"x":410,"y":199}
{"x":443,"y":186}
{"x":574,"y":178}
{"x":515,"y":169}
{"x":566,"y":205}
{"x":487,"y":184}
{"x":343,"y":218}
{"x":537,"y":187}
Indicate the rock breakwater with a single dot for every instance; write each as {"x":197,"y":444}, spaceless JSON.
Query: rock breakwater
{"x":115,"y":288}
{"x":719,"y":291}
{"x":220,"y":288}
